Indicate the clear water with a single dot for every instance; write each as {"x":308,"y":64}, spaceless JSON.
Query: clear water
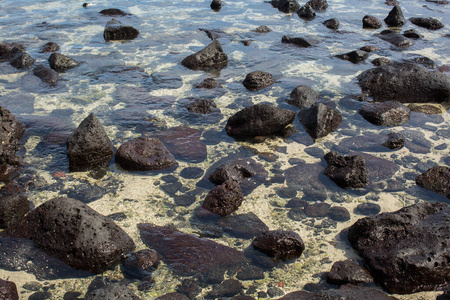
{"x":114,"y":81}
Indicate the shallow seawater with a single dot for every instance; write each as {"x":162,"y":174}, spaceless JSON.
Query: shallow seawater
{"x":140,"y":88}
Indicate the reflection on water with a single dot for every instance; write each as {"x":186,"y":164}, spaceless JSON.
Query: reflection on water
{"x":139,"y":88}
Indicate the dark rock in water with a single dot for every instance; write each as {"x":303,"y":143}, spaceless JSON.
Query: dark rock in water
{"x":395,"y":141}
{"x":224,"y":199}
{"x":116,"y":31}
{"x":406,"y":251}
{"x":216,"y":5}
{"x":13,"y":205}
{"x":191,"y":173}
{"x":428,"y":109}
{"x":61,"y":63}
{"x":319,"y":120}
{"x":211,"y":57}
{"x":11,"y":131}
{"x":8,"y":50}
{"x":89,"y":147}
{"x":346,"y":291}
{"x":424,"y":61}
{"x":346,"y":171}
{"x":436,"y":179}
{"x":49,"y":47}
{"x":259,"y":119}
{"x":428,"y":23}
{"x":299,"y":41}
{"x":338,"y":213}
{"x":348,"y":271}
{"x":355,"y":57}
{"x":258,"y":80}
{"x":317,"y":210}
{"x":305,"y":177}
{"x":23,"y":60}
{"x":184,"y":143}
{"x":318,"y":5}
{"x":368,"y":209}
{"x":227,"y":288}
{"x":389,"y":113}
{"x":141,"y":264}
{"x":73,"y":232}
{"x":412,"y":34}
{"x":202,"y":106}
{"x":306,"y":13}
{"x":208,"y":83}
{"x":263,"y":29}
{"x":303,"y":96}
{"x":395,"y":17}
{"x":284,"y":245}
{"x":112,"y":291}
{"x":203,"y":256}
{"x":371,"y":22}
{"x":167,"y":80}
{"x":395,"y":39}
{"x":8,"y":290}
{"x":369,"y":48}
{"x":45,"y":74}
{"x":378,"y":168}
{"x":288,"y":6}
{"x":406,"y":83}
{"x":114,"y":12}
{"x":243,"y":226}
{"x":331,"y":23}
{"x":144,"y":154}
{"x":380,"y":61}
{"x":173,"y":296}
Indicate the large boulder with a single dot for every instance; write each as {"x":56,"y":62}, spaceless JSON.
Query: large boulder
{"x":346,"y":171}
{"x":211,"y":57}
{"x":258,"y":80}
{"x":259,"y":119}
{"x":395,"y":17}
{"x":144,"y":154}
{"x":406,"y":83}
{"x":67,"y":229}
{"x":406,"y":250}
{"x":280,"y":244}
{"x":224,"y":199}
{"x":89,"y":147}
{"x":8,"y":290}
{"x":303,"y":96}
{"x":389,"y":113}
{"x":436,"y":179}
{"x":116,"y":31}
{"x":428,"y":23}
{"x":319,"y":120}
{"x":61,"y":63}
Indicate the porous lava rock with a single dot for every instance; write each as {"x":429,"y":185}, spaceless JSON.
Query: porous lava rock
{"x":8,"y":50}
{"x":61,"y":63}
{"x":303,"y":96}
{"x":67,"y":229}
{"x":406,"y":83}
{"x":299,"y":41}
{"x":263,"y":29}
{"x":395,"y":17}
{"x":379,"y":61}
{"x":202,"y":106}
{"x":428,"y":23}
{"x":319,"y":120}
{"x":355,"y":57}
{"x":13,"y":205}
{"x":210,"y":57}
{"x":346,"y":171}
{"x":144,"y":154}
{"x":49,"y":47}
{"x":395,"y":141}
{"x":112,"y":291}
{"x":258,"y":80}
{"x":371,"y":22}
{"x":8,"y":290}
{"x":89,"y":147}
{"x":116,"y":31}
{"x":388,"y":114}
{"x":284,"y":245}
{"x":412,"y":34}
{"x":224,"y":199}
{"x":306,"y":12}
{"x":243,"y":226}
{"x":203,"y":256}
{"x":259,"y":119}
{"x":396,"y":39}
{"x":141,"y":264}
{"x":288,"y":6}
{"x":332,"y":23}
{"x":406,"y":250}
{"x":45,"y":74}
{"x":436,"y":179}
{"x":207,"y":83}
{"x":22,"y":60}
{"x":348,"y":271}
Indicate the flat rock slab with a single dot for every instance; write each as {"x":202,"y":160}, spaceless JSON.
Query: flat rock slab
{"x":406,"y":251}
{"x":389,"y":113}
{"x":305,"y":177}
{"x":436,"y":179}
{"x":189,"y":255}
{"x":243,"y":226}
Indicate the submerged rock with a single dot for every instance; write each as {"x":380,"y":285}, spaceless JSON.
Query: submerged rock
{"x":389,"y":113}
{"x":258,"y":80}
{"x":45,"y":74}
{"x":263,"y":29}
{"x":436,"y":179}
{"x":412,"y":34}
{"x":299,"y":41}
{"x":211,"y":57}
{"x":284,"y":245}
{"x":224,"y":199}
{"x":318,"y":5}
{"x":112,"y":291}
{"x":208,"y":83}
{"x":73,"y":232}
{"x":355,"y":57}
{"x":13,"y":205}
{"x":259,"y":119}
{"x":288,"y":6}
{"x":395,"y":141}
{"x":405,"y":250}
{"x":114,"y":12}
{"x":346,"y":291}
{"x":202,"y":106}
{"x":89,"y":147}
{"x":22,"y":60}
{"x":144,"y":154}
{"x":116,"y":31}
{"x":428,"y":23}
{"x":348,"y":271}
{"x":331,"y":23}
{"x":8,"y":290}
{"x":49,"y":47}
{"x":395,"y":17}
{"x":396,"y":39}
{"x":319,"y":120}
{"x":303,"y":96}
{"x":371,"y":22}
{"x":141,"y":264}
{"x":346,"y":171}
{"x":61,"y":63}
{"x":243,"y":226}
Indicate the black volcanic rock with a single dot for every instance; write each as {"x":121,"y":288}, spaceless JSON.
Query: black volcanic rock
{"x":428,"y":23}
{"x":224,"y":199}
{"x":22,"y":60}
{"x":112,"y":291}
{"x":284,"y":245}
{"x":348,"y":271}
{"x":8,"y":290}
{"x":332,"y":23}
{"x":89,"y":147}
{"x":243,"y":226}
{"x":45,"y":74}
{"x":436,"y":179}
{"x":319,"y":120}
{"x":116,"y":31}
{"x":306,"y":12}
{"x":318,"y":5}
{"x":395,"y":141}
{"x":13,"y":205}
{"x":405,"y":251}
{"x":396,"y":39}
{"x":114,"y":12}
{"x":303,"y":96}
{"x":355,"y":57}
{"x":141,"y":264}
{"x":49,"y":47}
{"x":258,"y":80}
{"x":61,"y":63}
{"x":288,"y":6}
{"x":210,"y":57}
{"x":299,"y":41}
{"x":371,"y":22}
{"x":389,"y":113}
{"x":346,"y":171}
{"x":395,"y":17}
